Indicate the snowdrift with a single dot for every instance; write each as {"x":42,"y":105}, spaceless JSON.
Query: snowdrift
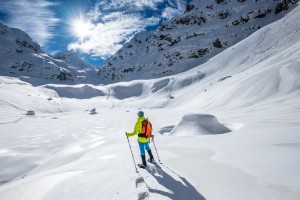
{"x":78,"y":92}
{"x":127,"y":91}
{"x":199,"y":124}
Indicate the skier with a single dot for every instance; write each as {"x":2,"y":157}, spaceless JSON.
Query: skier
{"x":143,"y":140}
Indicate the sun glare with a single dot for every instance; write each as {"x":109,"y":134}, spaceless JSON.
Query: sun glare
{"x":80,"y":28}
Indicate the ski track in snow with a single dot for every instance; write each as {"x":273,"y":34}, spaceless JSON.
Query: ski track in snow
{"x":12,"y":122}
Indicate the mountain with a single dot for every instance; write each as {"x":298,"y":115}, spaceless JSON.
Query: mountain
{"x":252,"y":88}
{"x":72,"y":58}
{"x":204,"y":30}
{"x":21,"y":56}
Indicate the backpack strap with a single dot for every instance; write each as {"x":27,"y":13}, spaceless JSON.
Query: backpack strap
{"x":142,"y":135}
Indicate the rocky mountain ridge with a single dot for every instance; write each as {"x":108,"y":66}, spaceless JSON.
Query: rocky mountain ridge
{"x":204,"y":30}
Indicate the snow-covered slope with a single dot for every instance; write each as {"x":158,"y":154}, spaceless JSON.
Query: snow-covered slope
{"x":204,"y":30}
{"x":251,"y":88}
{"x":20,"y":56}
{"x":71,"y":58}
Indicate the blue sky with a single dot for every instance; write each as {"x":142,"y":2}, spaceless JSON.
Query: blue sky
{"x":95,"y":28}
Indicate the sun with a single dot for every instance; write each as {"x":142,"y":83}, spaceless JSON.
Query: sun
{"x":81,"y":28}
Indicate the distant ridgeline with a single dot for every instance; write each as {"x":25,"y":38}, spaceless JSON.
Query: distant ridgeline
{"x":204,"y":30}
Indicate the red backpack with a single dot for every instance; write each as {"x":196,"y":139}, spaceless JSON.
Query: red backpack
{"x":146,"y":129}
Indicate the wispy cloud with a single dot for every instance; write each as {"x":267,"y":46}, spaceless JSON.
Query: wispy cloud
{"x":106,"y":38}
{"x":136,"y":5}
{"x":115,"y":22}
{"x":34,"y":17}
{"x":177,"y":8}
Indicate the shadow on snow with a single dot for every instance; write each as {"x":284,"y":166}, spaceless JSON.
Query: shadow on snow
{"x":178,"y":190}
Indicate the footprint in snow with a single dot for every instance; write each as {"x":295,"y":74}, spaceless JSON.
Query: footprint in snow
{"x":143,"y":196}
{"x":142,"y":187}
{"x":153,"y":170}
{"x":139,"y":181}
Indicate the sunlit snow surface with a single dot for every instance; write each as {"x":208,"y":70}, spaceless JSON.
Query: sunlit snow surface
{"x":64,"y":152}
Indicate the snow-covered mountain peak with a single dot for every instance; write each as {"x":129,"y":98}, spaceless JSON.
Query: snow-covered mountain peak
{"x":20,"y":56}
{"x":14,"y":40}
{"x":72,"y":58}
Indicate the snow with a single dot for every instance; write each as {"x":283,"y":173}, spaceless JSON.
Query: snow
{"x":64,"y":152}
{"x":78,"y":92}
{"x":199,"y":124}
{"x":127,"y":91}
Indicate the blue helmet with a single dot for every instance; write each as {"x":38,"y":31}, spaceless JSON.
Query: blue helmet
{"x":141,"y":114}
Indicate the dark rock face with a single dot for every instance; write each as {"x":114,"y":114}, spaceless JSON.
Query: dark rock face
{"x":199,"y":53}
{"x":284,"y":5}
{"x":63,"y":76}
{"x":23,"y":67}
{"x":219,"y":1}
{"x":189,"y":8}
{"x":24,"y":43}
{"x":217,"y":43}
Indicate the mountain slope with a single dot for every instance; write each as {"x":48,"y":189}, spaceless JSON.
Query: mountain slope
{"x":71,"y":58}
{"x":204,"y":30}
{"x":20,"y":56}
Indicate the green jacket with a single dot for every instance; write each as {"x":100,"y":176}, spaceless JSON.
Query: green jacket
{"x":138,"y":129}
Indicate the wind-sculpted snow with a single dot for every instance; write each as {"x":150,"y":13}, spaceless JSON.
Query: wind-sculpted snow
{"x":22,"y":162}
{"x":199,"y":124}
{"x":188,"y":80}
{"x":166,"y":129}
{"x":159,"y":85}
{"x":124,"y":92}
{"x":77,"y":92}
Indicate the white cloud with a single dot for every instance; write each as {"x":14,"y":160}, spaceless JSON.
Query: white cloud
{"x":33,"y":17}
{"x":168,"y":13}
{"x":131,"y":4}
{"x":106,"y":38}
{"x":115,"y":22}
{"x":178,"y":7}
{"x":128,"y":6}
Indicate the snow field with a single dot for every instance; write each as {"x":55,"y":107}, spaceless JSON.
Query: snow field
{"x":63,"y":152}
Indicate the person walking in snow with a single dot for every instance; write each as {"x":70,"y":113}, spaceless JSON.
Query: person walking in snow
{"x":144,"y":130}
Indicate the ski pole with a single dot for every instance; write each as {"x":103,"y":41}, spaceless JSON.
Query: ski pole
{"x":156,"y":149}
{"x":132,"y":155}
